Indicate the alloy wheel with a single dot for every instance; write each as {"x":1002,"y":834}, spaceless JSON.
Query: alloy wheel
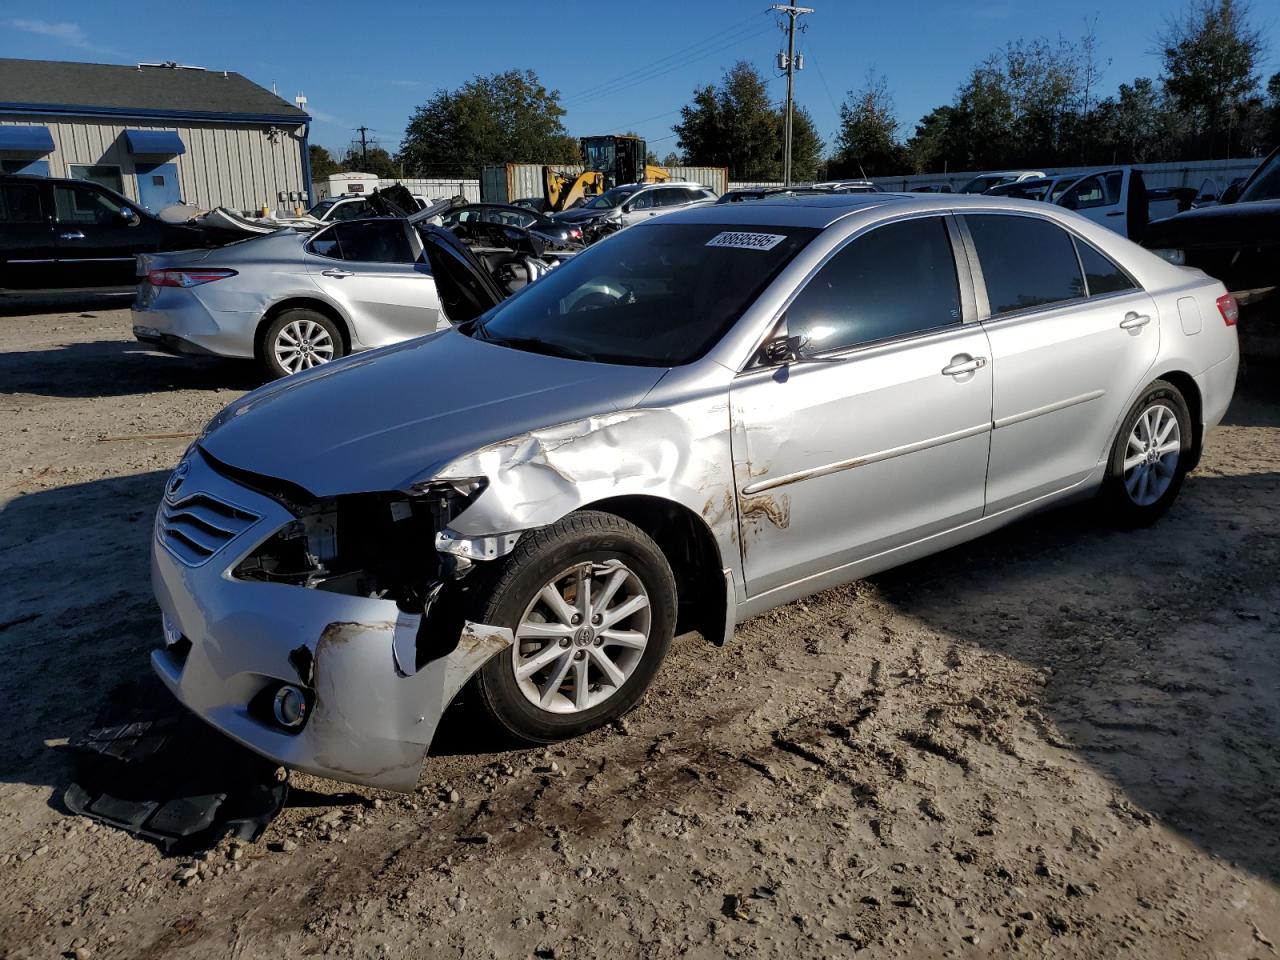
{"x":1151,"y":458}
{"x":303,"y":344}
{"x":581,"y":637}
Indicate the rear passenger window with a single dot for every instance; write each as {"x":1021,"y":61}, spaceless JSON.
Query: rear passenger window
{"x":1026,"y":262}
{"x":366,"y":241}
{"x":896,"y":280}
{"x":1100,"y":274}
{"x":19,"y":203}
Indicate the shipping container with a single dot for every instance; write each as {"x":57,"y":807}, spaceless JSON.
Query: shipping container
{"x":717,"y":178}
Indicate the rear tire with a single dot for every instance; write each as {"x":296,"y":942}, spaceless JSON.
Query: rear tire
{"x":592,"y":603}
{"x":298,"y":339}
{"x":1149,"y":458}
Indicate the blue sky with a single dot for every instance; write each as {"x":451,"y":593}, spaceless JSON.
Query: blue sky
{"x":617,"y":67}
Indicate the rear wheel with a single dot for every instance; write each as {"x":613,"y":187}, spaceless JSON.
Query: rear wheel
{"x":299,"y":339}
{"x":591,"y":601}
{"x":1150,"y":457}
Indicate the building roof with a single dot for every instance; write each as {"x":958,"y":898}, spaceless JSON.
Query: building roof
{"x":55,"y":86}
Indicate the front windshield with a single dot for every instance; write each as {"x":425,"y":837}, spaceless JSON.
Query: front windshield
{"x":658,"y":295}
{"x":609,"y":199}
{"x":1267,"y":184}
{"x":319,"y":209}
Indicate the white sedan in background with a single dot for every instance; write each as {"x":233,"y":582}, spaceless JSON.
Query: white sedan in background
{"x":293,"y":300}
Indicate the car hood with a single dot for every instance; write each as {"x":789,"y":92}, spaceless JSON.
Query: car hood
{"x":1232,"y":224}
{"x":582,"y":214}
{"x":382,"y":420}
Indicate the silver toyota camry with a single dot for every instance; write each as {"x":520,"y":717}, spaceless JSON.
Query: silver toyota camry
{"x":699,"y":419}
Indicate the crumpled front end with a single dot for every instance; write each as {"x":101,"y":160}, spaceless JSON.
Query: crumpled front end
{"x":300,"y":630}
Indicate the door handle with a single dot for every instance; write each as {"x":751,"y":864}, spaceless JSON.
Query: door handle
{"x":1133,"y":321}
{"x":1116,"y":213}
{"x":959,"y":367}
{"x":336,"y":274}
{"x":71,"y":235}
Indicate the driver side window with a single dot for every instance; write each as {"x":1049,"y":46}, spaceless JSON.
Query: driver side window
{"x":895,"y":281}
{"x":77,"y":204}
{"x":643,"y":201}
{"x":1087,"y":193}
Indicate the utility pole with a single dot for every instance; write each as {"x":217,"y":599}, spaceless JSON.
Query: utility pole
{"x":364,"y":146}
{"x":789,"y":63}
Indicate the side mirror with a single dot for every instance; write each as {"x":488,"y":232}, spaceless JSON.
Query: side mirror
{"x":130,"y":217}
{"x":1069,"y":202}
{"x":781,"y":350}
{"x":1231,"y":194}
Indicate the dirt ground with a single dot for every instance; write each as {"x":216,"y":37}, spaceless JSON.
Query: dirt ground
{"x":1058,"y":741}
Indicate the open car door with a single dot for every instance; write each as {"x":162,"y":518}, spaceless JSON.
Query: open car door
{"x":464,"y":286}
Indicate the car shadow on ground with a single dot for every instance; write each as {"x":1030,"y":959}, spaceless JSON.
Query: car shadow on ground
{"x":63,"y":301}
{"x":115,"y":368}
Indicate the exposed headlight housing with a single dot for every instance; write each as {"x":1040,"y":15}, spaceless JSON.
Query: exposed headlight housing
{"x":1177,"y":257}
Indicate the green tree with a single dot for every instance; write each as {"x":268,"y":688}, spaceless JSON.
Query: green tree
{"x":372,"y":160}
{"x":867,"y":144}
{"x":500,"y":118}
{"x":1210,"y":57}
{"x":322,"y":162}
{"x":734,"y":124}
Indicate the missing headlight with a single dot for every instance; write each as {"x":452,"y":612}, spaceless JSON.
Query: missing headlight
{"x":366,"y":545}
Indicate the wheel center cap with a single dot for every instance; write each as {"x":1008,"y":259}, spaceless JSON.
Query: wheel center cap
{"x":584,"y":636}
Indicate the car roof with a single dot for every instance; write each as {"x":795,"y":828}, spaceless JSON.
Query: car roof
{"x":822,"y":210}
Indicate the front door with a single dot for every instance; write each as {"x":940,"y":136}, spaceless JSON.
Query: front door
{"x":97,"y":237}
{"x":158,"y":185}
{"x":370,"y":268}
{"x":879,"y":437}
{"x":1068,"y":349}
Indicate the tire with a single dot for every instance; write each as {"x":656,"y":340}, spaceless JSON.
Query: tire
{"x":1140,"y":495}
{"x":614,"y":550}
{"x":306,"y":337}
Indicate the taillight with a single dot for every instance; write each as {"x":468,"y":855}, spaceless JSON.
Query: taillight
{"x":1229,"y":309}
{"x":186,"y":278}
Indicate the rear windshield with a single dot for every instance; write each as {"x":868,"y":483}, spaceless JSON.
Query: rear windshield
{"x":654,"y":295}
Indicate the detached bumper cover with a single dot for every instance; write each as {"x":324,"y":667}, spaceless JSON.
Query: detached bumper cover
{"x":228,"y":640}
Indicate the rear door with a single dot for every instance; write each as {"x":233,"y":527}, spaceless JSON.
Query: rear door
{"x":97,"y":237}
{"x":882,"y":438}
{"x":1072,"y":337}
{"x":27,"y":252}
{"x":374,"y":270}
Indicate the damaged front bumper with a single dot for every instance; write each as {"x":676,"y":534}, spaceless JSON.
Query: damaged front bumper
{"x":231,"y":643}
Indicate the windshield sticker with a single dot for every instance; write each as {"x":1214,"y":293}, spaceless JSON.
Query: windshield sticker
{"x":747,"y":241}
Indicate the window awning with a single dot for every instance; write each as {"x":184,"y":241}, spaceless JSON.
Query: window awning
{"x":155,"y":142}
{"x":26,"y":139}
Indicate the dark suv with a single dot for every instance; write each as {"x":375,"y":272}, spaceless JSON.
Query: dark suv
{"x":74,"y":233}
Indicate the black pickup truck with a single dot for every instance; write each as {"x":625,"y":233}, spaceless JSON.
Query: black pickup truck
{"x":1236,"y":242}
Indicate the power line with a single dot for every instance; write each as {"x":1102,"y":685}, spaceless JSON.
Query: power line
{"x":719,"y":36}
{"x":609,"y":90}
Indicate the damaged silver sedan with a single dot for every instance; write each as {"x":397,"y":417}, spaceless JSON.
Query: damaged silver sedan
{"x":697,"y":420}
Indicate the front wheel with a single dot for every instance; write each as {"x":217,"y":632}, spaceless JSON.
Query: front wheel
{"x":1150,"y":457}
{"x":591,"y":602}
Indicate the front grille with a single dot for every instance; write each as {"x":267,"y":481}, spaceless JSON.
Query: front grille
{"x":195,"y":528}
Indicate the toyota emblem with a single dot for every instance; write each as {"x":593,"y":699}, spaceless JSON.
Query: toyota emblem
{"x":176,"y":478}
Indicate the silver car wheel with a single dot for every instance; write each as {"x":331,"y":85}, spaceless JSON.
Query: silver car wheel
{"x":581,"y":637}
{"x":303,"y":344}
{"x":1151,"y":459}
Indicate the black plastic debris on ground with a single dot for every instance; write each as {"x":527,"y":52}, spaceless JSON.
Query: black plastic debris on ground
{"x":151,"y":767}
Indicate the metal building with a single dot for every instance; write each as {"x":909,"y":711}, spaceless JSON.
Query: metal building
{"x":157,"y":133}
